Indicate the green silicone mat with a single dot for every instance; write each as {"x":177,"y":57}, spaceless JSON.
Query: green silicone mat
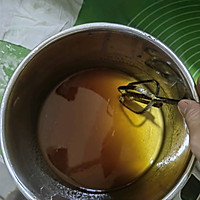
{"x":174,"y":22}
{"x":10,"y":57}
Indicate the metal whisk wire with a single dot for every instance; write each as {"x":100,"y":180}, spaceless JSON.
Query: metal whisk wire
{"x":133,"y":92}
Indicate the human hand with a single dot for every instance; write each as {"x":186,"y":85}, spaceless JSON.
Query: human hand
{"x":191,"y":112}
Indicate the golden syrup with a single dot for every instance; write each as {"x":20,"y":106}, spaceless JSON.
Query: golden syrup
{"x":89,"y":139}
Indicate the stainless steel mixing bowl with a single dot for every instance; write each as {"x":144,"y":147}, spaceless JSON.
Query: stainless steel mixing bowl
{"x":94,"y":46}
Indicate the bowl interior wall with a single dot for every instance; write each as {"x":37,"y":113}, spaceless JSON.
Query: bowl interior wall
{"x":94,"y":49}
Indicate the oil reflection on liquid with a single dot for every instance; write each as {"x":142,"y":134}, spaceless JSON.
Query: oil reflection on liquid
{"x":175,"y":155}
{"x":90,"y":140}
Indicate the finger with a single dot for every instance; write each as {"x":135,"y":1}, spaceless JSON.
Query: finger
{"x":191,"y":112}
{"x":198,"y":86}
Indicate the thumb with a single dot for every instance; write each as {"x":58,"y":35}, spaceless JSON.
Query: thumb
{"x":191,"y":112}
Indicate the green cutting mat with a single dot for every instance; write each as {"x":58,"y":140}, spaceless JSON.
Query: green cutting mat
{"x":174,"y":22}
{"x":10,"y":57}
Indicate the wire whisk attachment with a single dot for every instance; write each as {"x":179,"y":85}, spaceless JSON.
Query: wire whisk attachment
{"x":132,"y":92}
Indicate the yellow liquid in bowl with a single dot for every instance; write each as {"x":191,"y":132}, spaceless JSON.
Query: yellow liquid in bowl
{"x":90,"y":140}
